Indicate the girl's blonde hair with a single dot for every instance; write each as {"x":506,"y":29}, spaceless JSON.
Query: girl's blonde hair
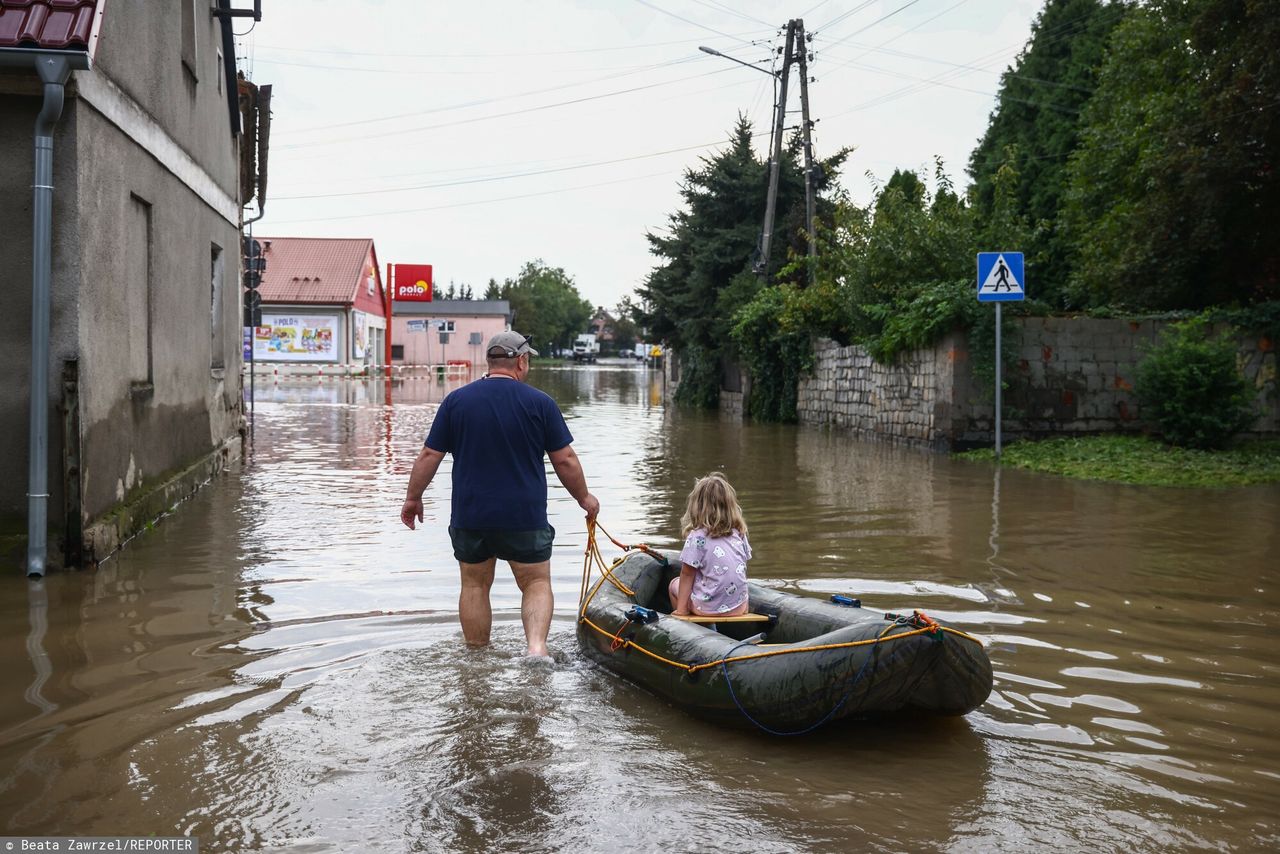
{"x":713,"y":505}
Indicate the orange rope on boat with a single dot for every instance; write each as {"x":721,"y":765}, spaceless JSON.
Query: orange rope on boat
{"x":617,"y":642}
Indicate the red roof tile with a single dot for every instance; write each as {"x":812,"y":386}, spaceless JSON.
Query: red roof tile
{"x":47,"y":24}
{"x":322,"y":270}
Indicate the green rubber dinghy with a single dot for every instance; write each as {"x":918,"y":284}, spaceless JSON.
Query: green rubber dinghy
{"x":792,"y":664}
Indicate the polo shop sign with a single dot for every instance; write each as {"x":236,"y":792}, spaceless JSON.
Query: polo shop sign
{"x":412,"y":282}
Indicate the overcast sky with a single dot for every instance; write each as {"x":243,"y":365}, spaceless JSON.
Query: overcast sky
{"x":474,"y":135}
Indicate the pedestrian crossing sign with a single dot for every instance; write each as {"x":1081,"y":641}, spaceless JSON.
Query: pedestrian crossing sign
{"x":1000,"y":277}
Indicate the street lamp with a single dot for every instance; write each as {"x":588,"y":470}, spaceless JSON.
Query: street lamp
{"x":775,"y":142}
{"x":715,"y":52}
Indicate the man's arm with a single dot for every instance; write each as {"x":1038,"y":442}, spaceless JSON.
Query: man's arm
{"x":424,"y":469}
{"x":569,"y":470}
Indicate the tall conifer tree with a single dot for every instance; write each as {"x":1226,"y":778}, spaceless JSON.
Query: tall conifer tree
{"x":1034,"y":129}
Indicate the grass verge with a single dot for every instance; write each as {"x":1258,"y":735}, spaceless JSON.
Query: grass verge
{"x":1142,"y":460}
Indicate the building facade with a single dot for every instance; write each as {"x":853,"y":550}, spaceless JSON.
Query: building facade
{"x":144,"y":357}
{"x":446,"y":331}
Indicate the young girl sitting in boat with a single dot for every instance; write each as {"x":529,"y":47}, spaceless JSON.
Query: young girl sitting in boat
{"x":713,"y":574}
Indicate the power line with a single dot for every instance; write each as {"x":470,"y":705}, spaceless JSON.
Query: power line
{"x":402,"y":131}
{"x":937,"y":82}
{"x":358,"y":69}
{"x":928,"y":20}
{"x":843,"y":16}
{"x":476,"y":202}
{"x":504,"y":55}
{"x":691,"y":93}
{"x":881,"y":19}
{"x":524,"y":195}
{"x":1062,"y":31}
{"x":690,"y":21}
{"x":720,"y":7}
{"x":852,"y":63}
{"x":807,"y":12}
{"x":490,"y":178}
{"x":497,"y":98}
{"x":329,"y":180}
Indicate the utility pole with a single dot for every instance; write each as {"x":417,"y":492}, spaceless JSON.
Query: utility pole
{"x":803,"y":57}
{"x":776,"y":157}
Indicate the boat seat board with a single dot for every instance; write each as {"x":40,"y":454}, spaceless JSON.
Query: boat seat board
{"x":741,"y":618}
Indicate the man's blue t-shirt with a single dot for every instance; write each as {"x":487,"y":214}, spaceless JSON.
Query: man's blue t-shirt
{"x":498,"y":430}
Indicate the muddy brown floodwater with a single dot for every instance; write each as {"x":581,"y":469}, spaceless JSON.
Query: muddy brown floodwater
{"x":278,"y":666}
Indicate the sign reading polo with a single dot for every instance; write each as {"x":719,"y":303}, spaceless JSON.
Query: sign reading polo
{"x":412,"y":282}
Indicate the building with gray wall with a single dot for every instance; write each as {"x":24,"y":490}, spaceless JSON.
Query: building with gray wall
{"x":144,"y":400}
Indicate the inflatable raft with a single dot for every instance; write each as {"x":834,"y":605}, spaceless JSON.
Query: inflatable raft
{"x":792,"y":664}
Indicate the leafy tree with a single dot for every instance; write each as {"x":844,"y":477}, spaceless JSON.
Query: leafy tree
{"x":465,"y":292}
{"x":1174,"y":191}
{"x":625,"y":330}
{"x":493,"y":291}
{"x":774,"y":333}
{"x":452,"y":293}
{"x":1034,"y":128}
{"x":546,"y":305}
{"x":904,"y":267}
{"x":907,"y":185}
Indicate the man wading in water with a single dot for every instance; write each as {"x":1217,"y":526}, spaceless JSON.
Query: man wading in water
{"x":498,"y":429}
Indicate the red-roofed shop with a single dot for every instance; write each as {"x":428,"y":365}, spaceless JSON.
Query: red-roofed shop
{"x":322,"y":303}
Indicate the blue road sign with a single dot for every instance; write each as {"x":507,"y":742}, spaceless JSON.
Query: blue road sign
{"x":1000,"y":277}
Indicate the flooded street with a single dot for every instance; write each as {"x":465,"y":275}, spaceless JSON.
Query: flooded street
{"x":278,"y":665}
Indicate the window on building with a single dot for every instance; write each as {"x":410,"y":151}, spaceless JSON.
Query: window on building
{"x":446,"y":326}
{"x":137,"y":251}
{"x":217,"y":332}
{"x":189,"y":17}
{"x":397,"y":352}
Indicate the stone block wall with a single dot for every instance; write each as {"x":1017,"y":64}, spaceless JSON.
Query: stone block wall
{"x":1070,"y":376}
{"x":911,"y":401}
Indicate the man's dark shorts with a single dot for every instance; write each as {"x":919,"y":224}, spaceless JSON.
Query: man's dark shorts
{"x":475,"y":546}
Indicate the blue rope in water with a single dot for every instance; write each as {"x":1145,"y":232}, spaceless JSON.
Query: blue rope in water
{"x":724,"y":667}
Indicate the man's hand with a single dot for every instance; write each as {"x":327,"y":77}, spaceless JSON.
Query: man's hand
{"x":589,"y":503}
{"x":411,"y":512}
{"x":424,"y":469}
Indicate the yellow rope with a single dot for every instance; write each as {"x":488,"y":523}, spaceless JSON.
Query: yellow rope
{"x":694,"y":668}
{"x":593,"y":551}
{"x":633,"y":645}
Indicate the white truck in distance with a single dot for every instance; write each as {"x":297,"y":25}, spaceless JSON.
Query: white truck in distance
{"x":585,"y":348}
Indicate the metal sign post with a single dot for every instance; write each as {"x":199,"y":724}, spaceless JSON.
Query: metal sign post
{"x":1000,"y":279}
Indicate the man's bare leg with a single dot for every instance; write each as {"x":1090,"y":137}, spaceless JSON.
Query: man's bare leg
{"x":536,"y":603}
{"x":474,"y":611}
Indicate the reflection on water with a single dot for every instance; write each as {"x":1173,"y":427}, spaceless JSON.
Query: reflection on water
{"x":278,"y":665}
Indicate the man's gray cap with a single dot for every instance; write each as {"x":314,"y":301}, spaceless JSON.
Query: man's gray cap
{"x":509,"y":345}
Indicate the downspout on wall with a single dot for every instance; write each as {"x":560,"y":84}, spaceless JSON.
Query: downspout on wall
{"x":54,"y":69}
{"x":54,"y":72}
